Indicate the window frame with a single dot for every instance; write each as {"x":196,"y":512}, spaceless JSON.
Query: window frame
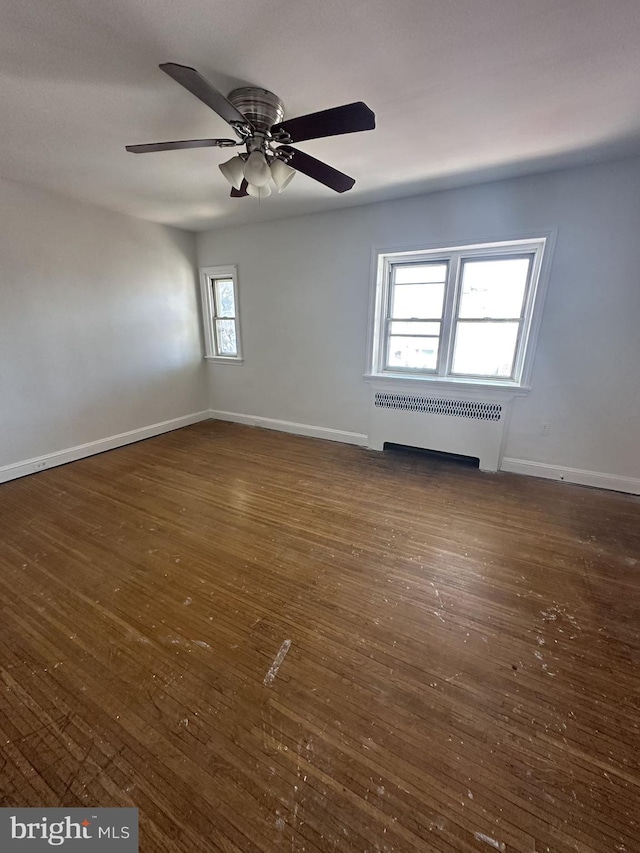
{"x":388,"y":319}
{"x":208,"y":277}
{"x":539,"y":247}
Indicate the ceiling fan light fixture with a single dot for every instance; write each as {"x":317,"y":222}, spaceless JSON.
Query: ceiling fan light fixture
{"x":256,"y":170}
{"x":256,"y":115}
{"x":259,"y":192}
{"x":233,"y":171}
{"x":282,"y":174}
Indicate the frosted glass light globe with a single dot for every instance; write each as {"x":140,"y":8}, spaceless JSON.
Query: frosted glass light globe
{"x":259,"y":192}
{"x":233,"y":170}
{"x":256,"y":170}
{"x":282,"y":174}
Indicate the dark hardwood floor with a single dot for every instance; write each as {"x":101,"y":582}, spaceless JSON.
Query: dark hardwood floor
{"x":463,"y":668}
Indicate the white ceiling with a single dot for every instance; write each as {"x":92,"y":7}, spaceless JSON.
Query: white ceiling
{"x":463,"y":90}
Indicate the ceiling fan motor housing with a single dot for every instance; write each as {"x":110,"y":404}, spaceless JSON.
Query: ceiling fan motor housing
{"x":261,"y":107}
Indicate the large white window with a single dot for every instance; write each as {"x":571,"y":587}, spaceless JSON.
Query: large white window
{"x":459,"y":314}
{"x":219,"y":291}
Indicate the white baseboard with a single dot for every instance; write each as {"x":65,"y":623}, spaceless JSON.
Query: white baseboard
{"x":61,"y":457}
{"x":288,"y":426}
{"x":614,"y":482}
{"x":597,"y":479}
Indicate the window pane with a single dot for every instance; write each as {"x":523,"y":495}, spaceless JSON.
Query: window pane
{"x":398,"y":328}
{"x":417,"y":353}
{"x":225,"y":303}
{"x":493,"y":288}
{"x":417,"y":300}
{"x":485,"y":349}
{"x":419,"y":273}
{"x":226,"y":337}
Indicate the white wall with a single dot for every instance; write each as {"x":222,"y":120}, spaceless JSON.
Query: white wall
{"x":99,"y":327}
{"x":304,"y":287}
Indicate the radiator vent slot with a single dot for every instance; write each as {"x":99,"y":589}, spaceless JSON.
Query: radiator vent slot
{"x":434,"y":405}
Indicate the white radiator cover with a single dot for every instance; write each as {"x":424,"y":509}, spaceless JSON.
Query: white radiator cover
{"x":448,"y":420}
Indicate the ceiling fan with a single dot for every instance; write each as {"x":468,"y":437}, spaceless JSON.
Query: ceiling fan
{"x":256,"y":116}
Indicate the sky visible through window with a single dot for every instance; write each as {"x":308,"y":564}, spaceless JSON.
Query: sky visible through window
{"x":486,"y":320}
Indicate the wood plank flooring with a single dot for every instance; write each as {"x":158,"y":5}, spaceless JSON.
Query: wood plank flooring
{"x":463,"y":668}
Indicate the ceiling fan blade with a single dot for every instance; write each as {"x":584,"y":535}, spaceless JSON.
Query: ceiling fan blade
{"x":202,"y":89}
{"x":318,"y":170}
{"x":241,"y":192}
{"x":184,"y":143}
{"x":349,"y":118}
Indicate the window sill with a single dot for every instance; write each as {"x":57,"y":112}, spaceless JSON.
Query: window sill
{"x":220,"y":359}
{"x":473,"y":386}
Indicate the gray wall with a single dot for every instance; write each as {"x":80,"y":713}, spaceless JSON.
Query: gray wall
{"x":304,"y":289}
{"x":99,"y":326}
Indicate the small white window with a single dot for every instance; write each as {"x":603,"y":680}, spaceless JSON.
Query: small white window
{"x":219,"y":291}
{"x":464,"y":314}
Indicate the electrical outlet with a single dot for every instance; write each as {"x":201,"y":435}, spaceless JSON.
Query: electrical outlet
{"x":39,"y":466}
{"x":545,"y":428}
